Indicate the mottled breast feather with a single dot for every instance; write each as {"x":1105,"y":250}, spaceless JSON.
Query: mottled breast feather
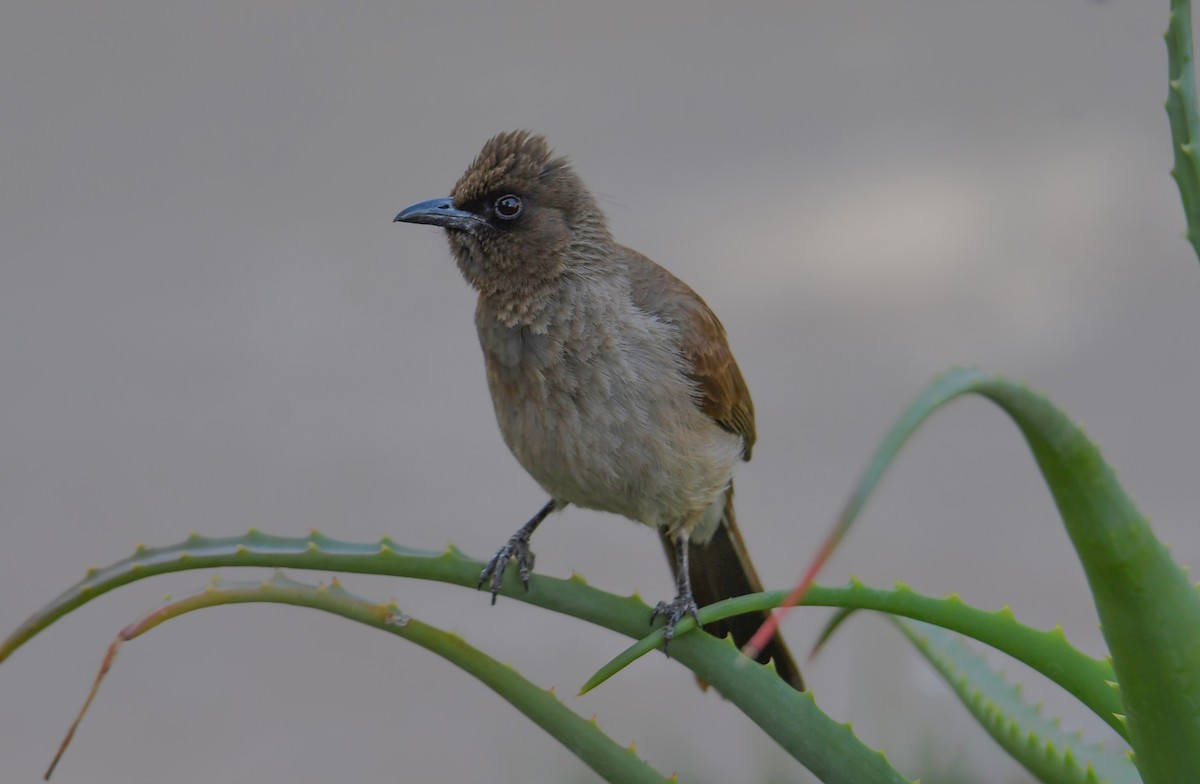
{"x":724,"y":394}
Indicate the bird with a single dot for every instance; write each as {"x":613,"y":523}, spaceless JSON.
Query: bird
{"x":612,"y":381}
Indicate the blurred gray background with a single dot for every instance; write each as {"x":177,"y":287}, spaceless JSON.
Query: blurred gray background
{"x":208,"y":322}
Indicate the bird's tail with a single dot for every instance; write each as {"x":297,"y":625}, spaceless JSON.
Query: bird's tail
{"x":721,"y":569}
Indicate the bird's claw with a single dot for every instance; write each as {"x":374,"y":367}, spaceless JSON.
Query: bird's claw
{"x":682,"y":606}
{"x":493,"y":574}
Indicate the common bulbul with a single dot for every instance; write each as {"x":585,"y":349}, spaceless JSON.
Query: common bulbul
{"x":612,"y":380}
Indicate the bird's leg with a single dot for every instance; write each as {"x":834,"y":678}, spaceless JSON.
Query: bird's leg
{"x":516,"y":547}
{"x":684,"y":603}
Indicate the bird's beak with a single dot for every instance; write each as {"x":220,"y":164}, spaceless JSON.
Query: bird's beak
{"x":441,"y":212}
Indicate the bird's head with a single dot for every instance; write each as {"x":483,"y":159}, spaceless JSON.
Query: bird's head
{"x":518,"y":218}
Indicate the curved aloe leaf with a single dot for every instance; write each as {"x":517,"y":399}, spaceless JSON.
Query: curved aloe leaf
{"x":583,"y":737}
{"x":1089,"y":680}
{"x":827,"y":748}
{"x":1048,"y":652}
{"x":1046,"y":751}
{"x":1149,"y":613}
{"x":784,"y":713}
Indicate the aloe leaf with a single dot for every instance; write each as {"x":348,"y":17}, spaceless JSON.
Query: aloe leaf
{"x":583,"y":737}
{"x":1149,"y":613}
{"x":1181,"y":111}
{"x":1089,"y":680}
{"x":792,"y":718}
{"x":1048,"y":652}
{"x":832,"y":625}
{"x":1046,"y":751}
{"x":825,"y":747}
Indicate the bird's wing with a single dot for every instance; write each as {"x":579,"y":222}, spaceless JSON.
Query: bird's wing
{"x":724,"y":395}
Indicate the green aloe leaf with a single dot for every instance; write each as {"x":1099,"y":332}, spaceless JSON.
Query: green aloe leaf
{"x":1149,"y":612}
{"x":827,"y":748}
{"x":1038,"y":743}
{"x":1048,"y":652}
{"x":1181,"y":111}
{"x":792,"y":718}
{"x":611,"y":761}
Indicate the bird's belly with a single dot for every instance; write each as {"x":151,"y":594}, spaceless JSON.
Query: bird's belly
{"x":631,"y":465}
{"x":602,"y":435}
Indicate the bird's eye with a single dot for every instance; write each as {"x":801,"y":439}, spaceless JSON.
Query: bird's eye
{"x":508,"y":207}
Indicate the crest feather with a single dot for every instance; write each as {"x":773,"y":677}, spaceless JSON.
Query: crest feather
{"x":508,"y":161}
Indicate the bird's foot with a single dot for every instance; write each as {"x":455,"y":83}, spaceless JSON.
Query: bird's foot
{"x":516,"y":548}
{"x":681,"y":607}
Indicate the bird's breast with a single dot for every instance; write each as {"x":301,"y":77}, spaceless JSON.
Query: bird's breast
{"x":598,"y":407}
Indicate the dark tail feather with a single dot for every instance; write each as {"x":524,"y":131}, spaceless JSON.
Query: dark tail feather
{"x":721,"y":569}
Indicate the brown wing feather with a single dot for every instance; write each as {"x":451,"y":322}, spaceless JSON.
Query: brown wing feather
{"x":719,"y":568}
{"x":724,"y":395}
